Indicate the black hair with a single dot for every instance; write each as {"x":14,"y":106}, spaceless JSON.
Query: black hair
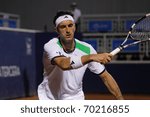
{"x":61,"y":13}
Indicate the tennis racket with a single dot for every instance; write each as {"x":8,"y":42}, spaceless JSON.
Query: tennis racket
{"x":139,"y":32}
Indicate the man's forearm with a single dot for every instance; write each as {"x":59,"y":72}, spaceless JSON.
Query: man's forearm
{"x":112,"y":86}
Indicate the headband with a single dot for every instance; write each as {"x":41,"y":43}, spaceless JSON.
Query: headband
{"x":63,"y":18}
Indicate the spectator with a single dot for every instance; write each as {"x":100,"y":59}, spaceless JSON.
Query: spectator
{"x":76,"y":15}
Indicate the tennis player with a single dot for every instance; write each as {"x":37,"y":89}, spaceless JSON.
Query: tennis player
{"x":65,"y":60}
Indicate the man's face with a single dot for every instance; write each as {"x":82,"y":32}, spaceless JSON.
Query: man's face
{"x":66,"y":30}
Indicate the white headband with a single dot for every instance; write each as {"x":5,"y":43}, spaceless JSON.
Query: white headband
{"x":63,"y":18}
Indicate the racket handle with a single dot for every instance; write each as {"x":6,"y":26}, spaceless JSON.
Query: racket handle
{"x":115,"y":51}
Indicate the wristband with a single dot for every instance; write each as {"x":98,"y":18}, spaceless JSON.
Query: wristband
{"x":75,"y":62}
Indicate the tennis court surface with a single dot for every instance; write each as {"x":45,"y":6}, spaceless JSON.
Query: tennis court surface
{"x":102,"y":97}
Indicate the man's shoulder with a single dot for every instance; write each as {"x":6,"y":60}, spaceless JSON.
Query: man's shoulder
{"x":82,"y":43}
{"x":83,"y":46}
{"x":52,"y":41}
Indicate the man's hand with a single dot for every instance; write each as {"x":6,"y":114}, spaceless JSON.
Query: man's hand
{"x":102,"y":57}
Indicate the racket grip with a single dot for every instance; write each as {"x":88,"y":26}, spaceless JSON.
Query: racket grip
{"x":115,"y":51}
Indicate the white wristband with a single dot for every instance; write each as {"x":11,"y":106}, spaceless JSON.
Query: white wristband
{"x":76,"y":62}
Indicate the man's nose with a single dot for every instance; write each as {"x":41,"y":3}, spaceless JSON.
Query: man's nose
{"x":67,"y":29}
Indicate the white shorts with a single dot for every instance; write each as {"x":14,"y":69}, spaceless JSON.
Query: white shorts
{"x":44,"y":93}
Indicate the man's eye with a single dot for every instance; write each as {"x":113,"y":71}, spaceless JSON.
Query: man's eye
{"x":62,"y":26}
{"x":70,"y":25}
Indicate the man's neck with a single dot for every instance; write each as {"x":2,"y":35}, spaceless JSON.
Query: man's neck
{"x":68,"y":46}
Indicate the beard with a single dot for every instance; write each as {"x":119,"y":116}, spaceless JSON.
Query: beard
{"x":68,"y":44}
{"x":67,"y":40}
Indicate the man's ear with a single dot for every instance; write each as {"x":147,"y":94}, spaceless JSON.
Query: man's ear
{"x":56,"y":30}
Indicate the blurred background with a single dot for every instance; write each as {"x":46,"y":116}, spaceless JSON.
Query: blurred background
{"x":25,"y":25}
{"x":34,"y":14}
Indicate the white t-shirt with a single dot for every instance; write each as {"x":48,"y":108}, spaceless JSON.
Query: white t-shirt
{"x":65,"y":85}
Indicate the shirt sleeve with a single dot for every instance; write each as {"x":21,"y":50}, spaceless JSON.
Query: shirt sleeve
{"x":53,"y":50}
{"x":96,"y":67}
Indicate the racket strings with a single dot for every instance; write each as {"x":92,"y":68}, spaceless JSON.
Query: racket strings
{"x":141,"y":30}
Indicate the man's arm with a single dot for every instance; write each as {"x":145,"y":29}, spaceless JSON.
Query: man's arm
{"x":65,"y":62}
{"x":111,"y":85}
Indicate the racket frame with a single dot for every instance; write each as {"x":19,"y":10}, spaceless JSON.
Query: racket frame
{"x":122,"y":46}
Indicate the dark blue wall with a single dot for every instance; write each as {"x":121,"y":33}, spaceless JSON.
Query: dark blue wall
{"x":17,"y":64}
{"x":131,"y":77}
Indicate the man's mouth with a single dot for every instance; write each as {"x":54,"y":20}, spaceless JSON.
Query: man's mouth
{"x":68,"y":35}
